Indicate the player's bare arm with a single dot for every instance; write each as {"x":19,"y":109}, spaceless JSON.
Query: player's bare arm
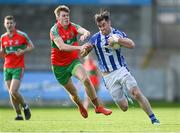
{"x":29,"y":48}
{"x":64,"y":47}
{"x":126,"y":42}
{"x":2,"y":52}
{"x":85,"y":33}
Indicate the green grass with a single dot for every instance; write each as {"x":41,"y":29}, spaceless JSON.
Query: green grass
{"x":69,"y":120}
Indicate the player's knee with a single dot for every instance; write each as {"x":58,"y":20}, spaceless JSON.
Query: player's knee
{"x":137,"y":93}
{"x":13,"y":93}
{"x":74,"y":97}
{"x":123,"y":106}
{"x":86,"y":81}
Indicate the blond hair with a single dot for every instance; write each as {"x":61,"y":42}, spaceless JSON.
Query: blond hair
{"x":61,"y":8}
{"x":9,"y":17}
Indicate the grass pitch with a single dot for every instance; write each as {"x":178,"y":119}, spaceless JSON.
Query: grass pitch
{"x":69,"y":120}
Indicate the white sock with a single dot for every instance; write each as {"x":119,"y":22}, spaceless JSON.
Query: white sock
{"x":26,"y":106}
{"x":19,"y":115}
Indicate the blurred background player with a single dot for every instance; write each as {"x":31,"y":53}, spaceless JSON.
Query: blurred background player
{"x":65,"y":59}
{"x":113,"y":66}
{"x":14,"y":44}
{"x":94,"y":75}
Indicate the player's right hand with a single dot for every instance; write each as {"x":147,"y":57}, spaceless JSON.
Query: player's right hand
{"x":19,"y":52}
{"x":85,"y":49}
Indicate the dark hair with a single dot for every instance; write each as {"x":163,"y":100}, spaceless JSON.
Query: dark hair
{"x":102,"y":15}
{"x":9,"y":17}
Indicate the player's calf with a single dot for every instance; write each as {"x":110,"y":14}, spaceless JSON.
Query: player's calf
{"x":83,"y":111}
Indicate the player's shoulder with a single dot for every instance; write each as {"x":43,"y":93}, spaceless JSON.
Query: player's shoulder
{"x":54,"y":27}
{"x":119,"y":32}
{"x":4,"y":35}
{"x":95,"y":36}
{"x":75,"y":25}
{"x":19,"y":32}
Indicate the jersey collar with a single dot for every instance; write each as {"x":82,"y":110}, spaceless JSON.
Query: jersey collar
{"x":107,"y":34}
{"x":13,"y":34}
{"x":61,"y":27}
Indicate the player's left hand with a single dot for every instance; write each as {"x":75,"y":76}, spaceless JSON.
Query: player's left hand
{"x":113,"y":39}
{"x":83,"y":37}
{"x":110,"y":41}
{"x":19,"y":52}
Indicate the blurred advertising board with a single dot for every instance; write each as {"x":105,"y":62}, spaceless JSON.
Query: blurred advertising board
{"x":42,"y":86}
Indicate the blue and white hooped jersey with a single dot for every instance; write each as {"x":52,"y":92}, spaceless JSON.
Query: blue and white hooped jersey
{"x":108,"y":59}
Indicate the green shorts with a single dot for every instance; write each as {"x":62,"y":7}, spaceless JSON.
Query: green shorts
{"x":64,"y":73}
{"x":13,"y":73}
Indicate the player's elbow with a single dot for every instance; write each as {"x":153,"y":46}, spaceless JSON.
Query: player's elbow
{"x":88,"y":33}
{"x":29,"y":48}
{"x":32,"y":47}
{"x":131,"y":45}
{"x":63,"y":47}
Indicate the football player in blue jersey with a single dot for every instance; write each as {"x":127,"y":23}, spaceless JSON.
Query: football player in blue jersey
{"x":113,"y":66}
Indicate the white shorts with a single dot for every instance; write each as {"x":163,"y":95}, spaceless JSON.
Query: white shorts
{"x":117,"y":80}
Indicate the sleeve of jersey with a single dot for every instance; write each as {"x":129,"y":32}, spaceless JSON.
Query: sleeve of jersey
{"x":92,"y":40}
{"x":121,"y":34}
{"x":54,"y":32}
{"x":28,"y":40}
{"x":76,"y":25}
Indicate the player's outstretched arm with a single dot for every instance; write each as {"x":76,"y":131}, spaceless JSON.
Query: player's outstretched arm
{"x":85,"y":33}
{"x":64,"y":47}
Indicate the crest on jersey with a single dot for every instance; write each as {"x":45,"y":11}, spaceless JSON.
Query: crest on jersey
{"x":16,"y":42}
{"x":72,"y":34}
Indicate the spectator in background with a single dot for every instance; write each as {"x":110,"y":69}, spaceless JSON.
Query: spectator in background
{"x":65,"y":59}
{"x":94,"y":75}
{"x":14,"y":44}
{"x":113,"y":66}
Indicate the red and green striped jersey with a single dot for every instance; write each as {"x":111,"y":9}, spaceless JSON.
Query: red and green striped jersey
{"x":19,"y":40}
{"x":90,"y":66}
{"x":69,"y":36}
{"x":92,"y":71}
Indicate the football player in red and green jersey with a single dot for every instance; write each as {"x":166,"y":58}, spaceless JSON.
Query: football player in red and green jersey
{"x":14,"y":44}
{"x":65,"y":59}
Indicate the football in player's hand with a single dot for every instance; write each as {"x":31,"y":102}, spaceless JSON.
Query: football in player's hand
{"x":113,"y":42}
